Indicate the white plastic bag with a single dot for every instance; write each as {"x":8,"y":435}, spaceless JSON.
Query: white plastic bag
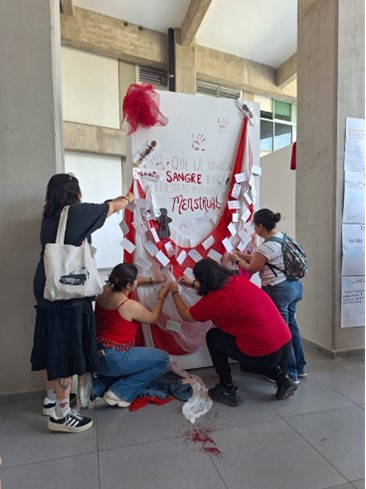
{"x":200,"y":402}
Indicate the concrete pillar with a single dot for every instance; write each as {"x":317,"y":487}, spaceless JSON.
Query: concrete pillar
{"x":185,"y":67}
{"x":330,"y":60}
{"x":31,"y":152}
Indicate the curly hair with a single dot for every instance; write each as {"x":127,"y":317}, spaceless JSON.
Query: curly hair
{"x":211,"y":275}
{"x":62,"y":189}
{"x":122,"y":275}
{"x":267,"y":218}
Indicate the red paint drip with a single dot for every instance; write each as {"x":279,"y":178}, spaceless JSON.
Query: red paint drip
{"x":203,"y":439}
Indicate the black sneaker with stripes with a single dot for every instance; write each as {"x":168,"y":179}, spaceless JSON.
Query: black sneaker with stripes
{"x":73,"y":422}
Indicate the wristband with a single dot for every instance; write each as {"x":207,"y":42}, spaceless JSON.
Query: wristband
{"x":161,"y":299}
{"x":175,"y":292}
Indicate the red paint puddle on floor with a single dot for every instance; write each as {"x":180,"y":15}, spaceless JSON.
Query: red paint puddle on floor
{"x":202,"y":438}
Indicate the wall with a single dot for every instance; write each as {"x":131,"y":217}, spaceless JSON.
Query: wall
{"x":278,"y":187}
{"x":31,"y":152}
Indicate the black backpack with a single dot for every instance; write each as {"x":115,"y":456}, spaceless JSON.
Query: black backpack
{"x":294,"y":258}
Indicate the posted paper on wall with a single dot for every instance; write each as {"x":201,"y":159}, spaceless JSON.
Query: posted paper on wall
{"x":354,"y":198}
{"x":353,"y":302}
{"x":354,"y":157}
{"x":353,"y":247}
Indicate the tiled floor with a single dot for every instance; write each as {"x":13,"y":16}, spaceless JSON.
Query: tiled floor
{"x":313,"y":440}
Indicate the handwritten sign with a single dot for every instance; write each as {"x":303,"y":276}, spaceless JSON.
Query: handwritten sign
{"x":194,"y":162}
{"x":353,"y":246}
{"x":354,"y":198}
{"x":354,"y":158}
{"x":353,"y":302}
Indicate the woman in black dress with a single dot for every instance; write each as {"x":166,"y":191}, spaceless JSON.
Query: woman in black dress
{"x":64,"y":337}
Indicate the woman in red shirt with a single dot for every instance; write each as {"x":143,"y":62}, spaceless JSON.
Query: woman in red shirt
{"x":124,"y":370}
{"x":249,"y":327}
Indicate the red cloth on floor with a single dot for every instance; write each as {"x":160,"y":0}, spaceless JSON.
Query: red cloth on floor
{"x":142,"y":401}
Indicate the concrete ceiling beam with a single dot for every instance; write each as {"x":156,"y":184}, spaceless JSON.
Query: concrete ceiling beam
{"x":193,"y":20}
{"x":287,"y":72}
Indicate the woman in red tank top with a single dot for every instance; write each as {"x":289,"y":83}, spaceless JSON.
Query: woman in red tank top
{"x":124,"y":369}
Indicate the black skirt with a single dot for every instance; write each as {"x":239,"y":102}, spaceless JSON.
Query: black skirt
{"x":65,"y":340}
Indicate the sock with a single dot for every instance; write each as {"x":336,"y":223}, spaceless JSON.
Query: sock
{"x":62,"y":407}
{"x":51,"y":395}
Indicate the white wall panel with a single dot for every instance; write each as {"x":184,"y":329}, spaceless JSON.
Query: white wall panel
{"x":90,"y":88}
{"x":100,"y":178}
{"x":278,"y":188}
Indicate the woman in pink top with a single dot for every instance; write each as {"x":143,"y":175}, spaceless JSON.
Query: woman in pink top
{"x":124,"y":369}
{"x":249,"y":328}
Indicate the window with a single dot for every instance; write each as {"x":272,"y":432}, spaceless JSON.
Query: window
{"x":278,"y":123}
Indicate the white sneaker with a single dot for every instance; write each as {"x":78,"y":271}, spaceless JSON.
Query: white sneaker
{"x":113,"y":400}
{"x":85,"y":389}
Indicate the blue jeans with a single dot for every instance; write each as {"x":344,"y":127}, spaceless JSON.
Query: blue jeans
{"x":286,"y":295}
{"x":127,"y":373}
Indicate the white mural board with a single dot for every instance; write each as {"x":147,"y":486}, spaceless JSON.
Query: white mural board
{"x":185,"y":172}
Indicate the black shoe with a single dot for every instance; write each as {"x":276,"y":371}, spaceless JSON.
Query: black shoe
{"x":285,"y":387}
{"x":73,"y":422}
{"x":227,"y":396}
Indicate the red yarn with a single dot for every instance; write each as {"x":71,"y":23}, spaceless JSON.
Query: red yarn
{"x":141,"y":107}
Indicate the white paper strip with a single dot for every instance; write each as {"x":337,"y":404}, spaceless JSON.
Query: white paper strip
{"x":169,"y":249}
{"x":181,"y":257}
{"x":214,"y":255}
{"x":124,"y":227}
{"x":154,"y":235}
{"x":163,"y":259}
{"x":127,"y":245}
{"x":151,"y":248}
{"x":172,"y":325}
{"x":188,"y":272}
{"x":231,"y":227}
{"x":245,"y":215}
{"x":228,"y":246}
{"x":208,"y":242}
{"x":235,"y":193}
{"x":248,"y":197}
{"x":233,"y":204}
{"x":240,"y":177}
{"x":196,"y":257}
